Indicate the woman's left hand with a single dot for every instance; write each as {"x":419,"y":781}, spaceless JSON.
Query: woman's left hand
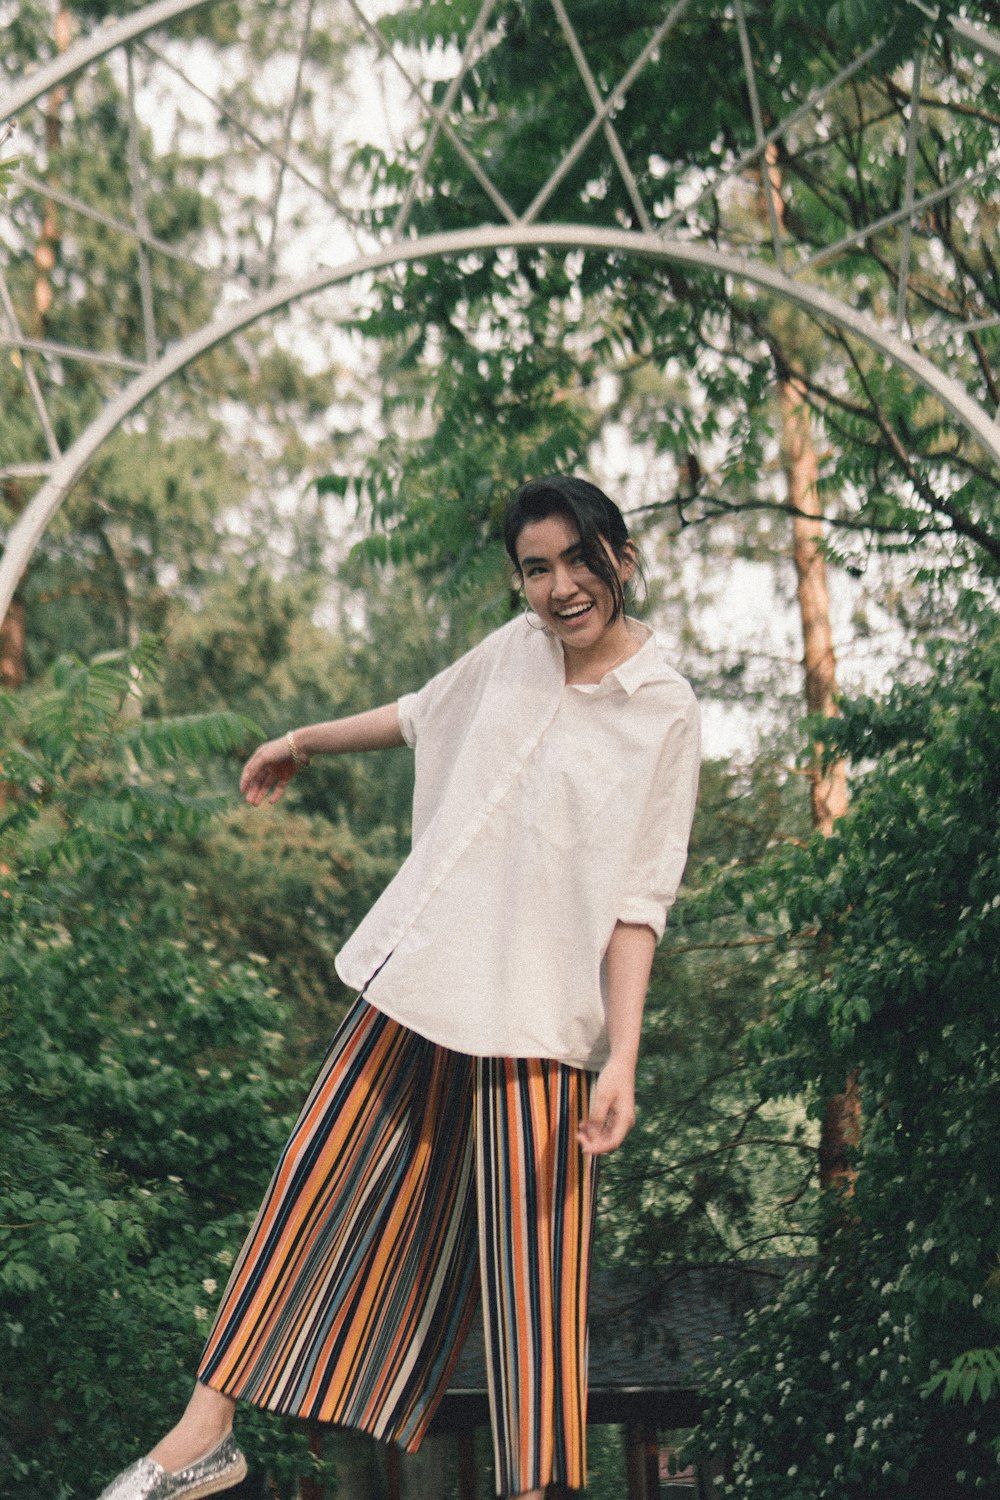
{"x":612,"y":1109}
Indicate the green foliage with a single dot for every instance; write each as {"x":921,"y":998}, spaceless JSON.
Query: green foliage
{"x":511,"y":355}
{"x":143,"y":1091}
{"x":892,"y":948}
{"x":713,"y":1170}
{"x":73,"y":760}
{"x":974,"y":1373}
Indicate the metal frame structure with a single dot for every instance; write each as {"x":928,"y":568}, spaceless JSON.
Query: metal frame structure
{"x":668,"y":239}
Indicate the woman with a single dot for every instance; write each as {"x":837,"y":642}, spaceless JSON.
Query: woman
{"x":448,"y":1148}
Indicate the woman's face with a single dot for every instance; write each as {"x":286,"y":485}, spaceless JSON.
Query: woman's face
{"x":566,"y":596}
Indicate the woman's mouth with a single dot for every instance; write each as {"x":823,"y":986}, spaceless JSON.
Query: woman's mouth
{"x":573,"y":612}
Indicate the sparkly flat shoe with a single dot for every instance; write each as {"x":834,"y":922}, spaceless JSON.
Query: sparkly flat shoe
{"x":146,"y":1480}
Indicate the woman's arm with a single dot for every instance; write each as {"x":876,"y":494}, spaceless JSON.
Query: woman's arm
{"x":272,"y":766}
{"x":612,"y":1102}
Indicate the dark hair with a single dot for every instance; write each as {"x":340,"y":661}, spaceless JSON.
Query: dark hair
{"x":591,"y":512}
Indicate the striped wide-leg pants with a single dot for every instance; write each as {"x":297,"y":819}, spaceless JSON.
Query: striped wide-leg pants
{"x":415,"y":1178}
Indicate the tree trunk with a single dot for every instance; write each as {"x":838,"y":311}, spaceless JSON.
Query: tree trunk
{"x":12,"y":663}
{"x":841,"y":1128}
{"x":48,"y":241}
{"x":829,"y":787}
{"x":13,"y":627}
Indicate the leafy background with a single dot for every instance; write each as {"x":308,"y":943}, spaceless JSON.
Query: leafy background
{"x":166,"y":956}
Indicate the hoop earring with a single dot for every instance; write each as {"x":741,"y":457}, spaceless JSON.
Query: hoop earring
{"x":533,"y":619}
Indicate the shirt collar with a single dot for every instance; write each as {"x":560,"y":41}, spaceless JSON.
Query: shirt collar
{"x":644,"y":665}
{"x":640,"y":667}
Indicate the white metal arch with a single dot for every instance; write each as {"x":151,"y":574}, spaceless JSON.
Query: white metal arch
{"x":512,"y":230}
{"x":30,"y":526}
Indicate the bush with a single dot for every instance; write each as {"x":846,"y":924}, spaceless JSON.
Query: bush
{"x":891,"y":931}
{"x":142,"y":1096}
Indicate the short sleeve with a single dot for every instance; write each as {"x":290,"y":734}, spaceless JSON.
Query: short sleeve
{"x":407,"y":707}
{"x":661,"y":847}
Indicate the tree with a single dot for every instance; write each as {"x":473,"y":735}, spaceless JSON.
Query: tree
{"x":513,"y":342}
{"x":143,"y":1096}
{"x":828,"y":1393}
{"x":199,"y":477}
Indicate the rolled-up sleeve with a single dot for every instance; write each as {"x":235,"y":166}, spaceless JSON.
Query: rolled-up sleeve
{"x":661,"y":847}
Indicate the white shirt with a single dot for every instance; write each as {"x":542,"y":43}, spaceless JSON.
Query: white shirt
{"x":543,"y":814}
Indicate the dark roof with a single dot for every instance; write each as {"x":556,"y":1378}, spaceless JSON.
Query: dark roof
{"x":651,"y":1328}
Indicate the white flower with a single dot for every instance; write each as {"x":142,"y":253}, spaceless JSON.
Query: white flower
{"x":210,"y":1285}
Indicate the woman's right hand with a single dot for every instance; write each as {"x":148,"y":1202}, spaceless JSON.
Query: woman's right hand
{"x":267,"y":772}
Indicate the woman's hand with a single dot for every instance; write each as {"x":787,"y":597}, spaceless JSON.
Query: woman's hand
{"x":267,"y":772}
{"x":629,"y":958}
{"x":612,"y":1109}
{"x":272,"y":766}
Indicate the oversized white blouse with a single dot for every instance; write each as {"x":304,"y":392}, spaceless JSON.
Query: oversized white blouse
{"x":543,"y":814}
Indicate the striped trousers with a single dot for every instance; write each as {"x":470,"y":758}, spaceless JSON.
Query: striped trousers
{"x":415,"y":1179}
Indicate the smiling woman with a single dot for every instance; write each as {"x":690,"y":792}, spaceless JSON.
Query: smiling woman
{"x":448,"y":1149}
{"x":574,"y":558}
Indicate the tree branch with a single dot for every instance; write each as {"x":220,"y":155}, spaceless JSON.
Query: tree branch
{"x":961,"y":523}
{"x":723,"y":507}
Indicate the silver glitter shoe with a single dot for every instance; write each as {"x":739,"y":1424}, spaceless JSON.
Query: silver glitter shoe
{"x":146,"y":1480}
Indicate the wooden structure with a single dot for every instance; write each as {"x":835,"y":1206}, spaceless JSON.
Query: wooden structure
{"x":653,"y":1333}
